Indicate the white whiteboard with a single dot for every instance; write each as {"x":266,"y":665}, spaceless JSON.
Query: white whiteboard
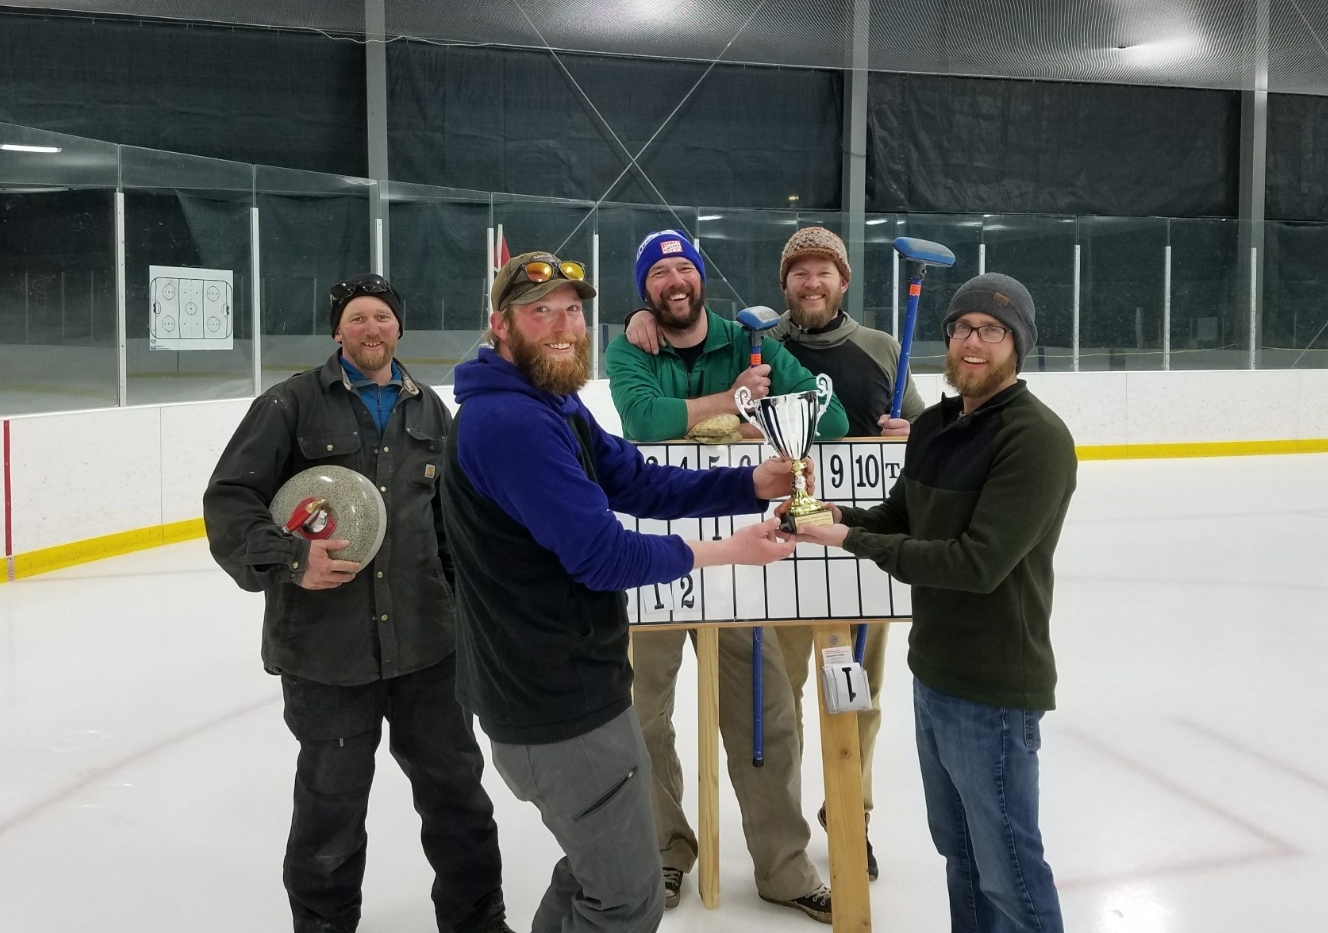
{"x":815,"y":583}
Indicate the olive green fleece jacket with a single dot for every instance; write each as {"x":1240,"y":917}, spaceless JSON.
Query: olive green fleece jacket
{"x":650,"y":391}
{"x":972,"y":524}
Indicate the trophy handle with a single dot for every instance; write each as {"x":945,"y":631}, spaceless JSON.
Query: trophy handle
{"x":824,"y":390}
{"x":743,"y":399}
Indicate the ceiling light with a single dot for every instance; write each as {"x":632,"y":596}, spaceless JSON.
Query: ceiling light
{"x":879,"y":220}
{"x":15,"y":147}
{"x":711,"y":217}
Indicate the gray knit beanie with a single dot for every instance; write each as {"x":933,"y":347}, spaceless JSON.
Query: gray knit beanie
{"x":1003,"y":298}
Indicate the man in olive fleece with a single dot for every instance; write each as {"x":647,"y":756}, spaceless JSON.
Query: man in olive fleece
{"x":972,"y":525}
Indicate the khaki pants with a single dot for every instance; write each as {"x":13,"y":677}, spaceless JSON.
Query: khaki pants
{"x":796,"y":643}
{"x":769,"y":797}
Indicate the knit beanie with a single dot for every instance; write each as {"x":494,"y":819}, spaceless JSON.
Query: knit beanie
{"x":664,"y":244}
{"x":375,"y":286}
{"x":1003,"y":298}
{"x":814,"y":241}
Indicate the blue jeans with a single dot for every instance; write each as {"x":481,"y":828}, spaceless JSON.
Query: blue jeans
{"x":980,"y":776}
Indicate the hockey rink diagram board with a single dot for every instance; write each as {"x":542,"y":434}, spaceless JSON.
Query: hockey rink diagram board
{"x":192,"y":309}
{"x":815,"y":583}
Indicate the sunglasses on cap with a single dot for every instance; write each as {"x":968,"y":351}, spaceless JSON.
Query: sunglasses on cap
{"x":361,"y":285}
{"x":538,"y":271}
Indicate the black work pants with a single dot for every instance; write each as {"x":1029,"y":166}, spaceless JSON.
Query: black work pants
{"x":432,"y":740}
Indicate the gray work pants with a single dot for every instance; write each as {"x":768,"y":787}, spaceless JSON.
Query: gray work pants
{"x":593,"y":793}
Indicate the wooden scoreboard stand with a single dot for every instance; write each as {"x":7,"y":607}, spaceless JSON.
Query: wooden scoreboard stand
{"x":827,"y":589}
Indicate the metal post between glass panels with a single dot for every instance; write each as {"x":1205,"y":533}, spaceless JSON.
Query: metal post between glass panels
{"x":1074,"y":336}
{"x":121,"y":328}
{"x":256,"y":300}
{"x":1166,"y":308}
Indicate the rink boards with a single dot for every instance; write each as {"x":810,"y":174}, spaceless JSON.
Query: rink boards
{"x":815,"y":583}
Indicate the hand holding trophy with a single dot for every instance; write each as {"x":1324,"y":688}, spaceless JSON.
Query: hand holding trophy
{"x":788,"y":423}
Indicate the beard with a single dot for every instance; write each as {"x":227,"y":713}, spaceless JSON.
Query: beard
{"x":978,"y":385}
{"x":811,"y":320}
{"x":558,"y":375}
{"x":667,"y":318}
{"x":369,"y":360}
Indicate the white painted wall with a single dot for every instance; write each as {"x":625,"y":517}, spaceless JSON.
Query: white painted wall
{"x":84,"y":474}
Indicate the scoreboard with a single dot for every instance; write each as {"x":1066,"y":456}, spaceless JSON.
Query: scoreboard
{"x":815,"y":583}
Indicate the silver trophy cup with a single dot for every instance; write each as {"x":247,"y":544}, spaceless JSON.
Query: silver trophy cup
{"x":788,"y":423}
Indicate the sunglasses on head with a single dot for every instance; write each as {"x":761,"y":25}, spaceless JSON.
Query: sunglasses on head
{"x":364,"y":285}
{"x":539,"y":271}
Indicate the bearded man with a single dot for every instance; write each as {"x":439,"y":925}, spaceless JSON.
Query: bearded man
{"x":357,"y":645}
{"x":972,"y":526}
{"x":691,"y":381}
{"x":531,"y":487}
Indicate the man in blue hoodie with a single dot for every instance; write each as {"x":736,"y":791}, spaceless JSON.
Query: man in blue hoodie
{"x":532,"y":484}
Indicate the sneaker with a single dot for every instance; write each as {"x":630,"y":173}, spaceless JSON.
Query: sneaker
{"x":672,"y":887}
{"x":815,"y":905}
{"x":873,"y":870}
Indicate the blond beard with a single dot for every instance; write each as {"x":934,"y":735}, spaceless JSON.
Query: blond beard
{"x":978,"y":385}
{"x":558,"y":376}
{"x":811,"y":320}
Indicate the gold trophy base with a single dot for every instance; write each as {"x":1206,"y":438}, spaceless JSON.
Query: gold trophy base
{"x":794,"y":523}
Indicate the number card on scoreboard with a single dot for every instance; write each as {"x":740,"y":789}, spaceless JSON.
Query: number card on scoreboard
{"x":816,"y":583}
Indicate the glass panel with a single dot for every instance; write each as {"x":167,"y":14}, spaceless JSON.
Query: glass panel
{"x":1122,"y":292}
{"x":313,"y":232}
{"x":962,"y":233}
{"x":877,"y":278}
{"x":1209,"y":306}
{"x":621,"y":229}
{"x":1295,"y":315}
{"x":188,"y":217}
{"x":1039,"y":252}
{"x":437,"y":240}
{"x":57,"y":272}
{"x":742,"y":249}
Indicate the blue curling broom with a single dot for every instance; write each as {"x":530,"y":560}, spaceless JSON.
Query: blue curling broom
{"x":756,"y":321}
{"x":920,"y":254}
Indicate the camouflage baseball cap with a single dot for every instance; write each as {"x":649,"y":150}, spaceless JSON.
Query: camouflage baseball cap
{"x":529,"y":277}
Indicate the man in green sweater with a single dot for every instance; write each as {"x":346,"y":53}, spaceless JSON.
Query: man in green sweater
{"x":972,"y":524}
{"x":660,"y":398}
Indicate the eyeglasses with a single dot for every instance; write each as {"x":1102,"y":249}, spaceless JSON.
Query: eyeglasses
{"x":362,"y":285}
{"x":987,"y":333}
{"x":538,"y":272}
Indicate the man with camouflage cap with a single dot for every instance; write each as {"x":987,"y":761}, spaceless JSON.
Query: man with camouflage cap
{"x":532,"y":484}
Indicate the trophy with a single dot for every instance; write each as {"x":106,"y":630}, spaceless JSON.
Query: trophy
{"x":789,"y":425}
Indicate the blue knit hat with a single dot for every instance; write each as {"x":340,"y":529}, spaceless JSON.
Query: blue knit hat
{"x":661,"y":245}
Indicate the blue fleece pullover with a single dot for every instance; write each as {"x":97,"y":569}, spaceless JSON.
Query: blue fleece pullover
{"x":517,"y":448}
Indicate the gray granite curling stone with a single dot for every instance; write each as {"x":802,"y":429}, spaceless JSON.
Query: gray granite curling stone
{"x":354,"y":504}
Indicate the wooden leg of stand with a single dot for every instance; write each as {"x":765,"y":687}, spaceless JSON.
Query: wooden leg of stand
{"x":843,"y":800}
{"x":707,"y":786}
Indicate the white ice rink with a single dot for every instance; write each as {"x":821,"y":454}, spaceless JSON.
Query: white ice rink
{"x":145,"y":771}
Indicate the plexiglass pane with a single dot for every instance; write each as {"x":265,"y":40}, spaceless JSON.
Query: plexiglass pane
{"x":57,"y":272}
{"x":188,"y":277}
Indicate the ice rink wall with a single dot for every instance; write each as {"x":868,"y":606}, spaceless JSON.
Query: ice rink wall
{"x":91,"y":484}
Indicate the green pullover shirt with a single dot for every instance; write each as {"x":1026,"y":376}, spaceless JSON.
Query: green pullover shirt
{"x":971,"y":524}
{"x":650,"y":391}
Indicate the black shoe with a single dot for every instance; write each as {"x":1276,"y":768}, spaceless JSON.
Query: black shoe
{"x":672,"y":887}
{"x":873,"y":870}
{"x":815,"y":905}
{"x":498,"y":926}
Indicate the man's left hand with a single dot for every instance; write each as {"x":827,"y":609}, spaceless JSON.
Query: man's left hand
{"x":773,"y":479}
{"x":892,"y":427}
